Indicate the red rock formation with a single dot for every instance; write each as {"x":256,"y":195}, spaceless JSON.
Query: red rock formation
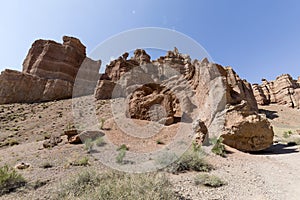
{"x":49,"y":72}
{"x":174,"y":86}
{"x":18,"y":87}
{"x":52,"y":60}
{"x":283,"y":91}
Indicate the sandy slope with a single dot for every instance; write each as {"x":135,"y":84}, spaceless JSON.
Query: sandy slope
{"x":271,"y":174}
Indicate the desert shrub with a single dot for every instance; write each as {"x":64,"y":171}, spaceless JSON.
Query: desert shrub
{"x":10,"y":180}
{"x":190,"y":160}
{"x":99,"y":141}
{"x":218,"y":148}
{"x":113,"y":185}
{"x":81,"y":162}
{"x":208,"y":180}
{"x":196,"y":147}
{"x":120,"y":156}
{"x":102,"y":120}
{"x":122,"y":152}
{"x":88,"y":145}
{"x":287,"y":134}
{"x":123,"y":146}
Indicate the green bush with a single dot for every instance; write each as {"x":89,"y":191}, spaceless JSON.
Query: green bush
{"x":191,"y":160}
{"x":287,"y":134}
{"x":113,"y":185}
{"x":10,"y":180}
{"x":218,"y":148}
{"x":208,"y":180}
{"x":88,"y":145}
{"x":99,"y":141}
{"x":120,"y":156}
{"x":81,"y":162}
{"x":101,"y":126}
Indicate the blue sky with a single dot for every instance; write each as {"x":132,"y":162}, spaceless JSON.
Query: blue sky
{"x":258,"y":38}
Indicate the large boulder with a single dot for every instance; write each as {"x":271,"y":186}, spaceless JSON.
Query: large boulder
{"x":246,"y":130}
{"x":283,"y":91}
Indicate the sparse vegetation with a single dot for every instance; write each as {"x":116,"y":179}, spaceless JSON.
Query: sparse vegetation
{"x":218,"y":148}
{"x":287,"y":134}
{"x":208,"y":180}
{"x":10,"y":180}
{"x":84,"y":161}
{"x":122,"y":152}
{"x":70,"y":126}
{"x":123,"y":146}
{"x":290,"y":138}
{"x":88,"y":145}
{"x":116,"y":185}
{"x":102,"y":120}
{"x":191,"y":160}
{"x":196,"y":147}
{"x":99,"y":141}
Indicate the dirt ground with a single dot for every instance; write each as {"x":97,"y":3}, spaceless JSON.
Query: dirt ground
{"x":270,"y":174}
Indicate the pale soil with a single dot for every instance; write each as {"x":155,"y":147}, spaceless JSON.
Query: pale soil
{"x":271,"y":174}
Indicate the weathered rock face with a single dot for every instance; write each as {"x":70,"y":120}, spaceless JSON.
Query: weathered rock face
{"x":245,"y":130}
{"x":209,"y":94}
{"x":104,"y":89}
{"x":239,"y":90}
{"x":283,"y":91}
{"x":52,"y":60}
{"x":18,"y":87}
{"x":152,"y":102}
{"x":119,"y":68}
{"x":49,"y":72}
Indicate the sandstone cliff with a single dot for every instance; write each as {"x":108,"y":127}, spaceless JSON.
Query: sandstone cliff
{"x":283,"y":91}
{"x":173,"y":87}
{"x":49,"y":72}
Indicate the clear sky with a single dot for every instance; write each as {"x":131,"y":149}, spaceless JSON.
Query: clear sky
{"x":258,"y":38}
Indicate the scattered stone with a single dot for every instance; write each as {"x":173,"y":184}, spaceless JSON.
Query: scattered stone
{"x":78,"y":137}
{"x":54,"y":140}
{"x":22,"y":165}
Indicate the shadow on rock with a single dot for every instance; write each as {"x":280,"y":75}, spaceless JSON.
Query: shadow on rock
{"x":269,"y":113}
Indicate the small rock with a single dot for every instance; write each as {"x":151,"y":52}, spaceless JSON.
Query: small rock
{"x":22,"y":165}
{"x":77,"y":137}
{"x":53,"y":141}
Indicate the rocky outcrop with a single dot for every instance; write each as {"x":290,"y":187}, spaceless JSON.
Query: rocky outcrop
{"x":16,"y":87}
{"x":152,"y":102}
{"x":201,"y":92}
{"x":104,"y":89}
{"x":283,"y":91}
{"x":123,"y":67}
{"x":52,"y":60}
{"x":50,"y":71}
